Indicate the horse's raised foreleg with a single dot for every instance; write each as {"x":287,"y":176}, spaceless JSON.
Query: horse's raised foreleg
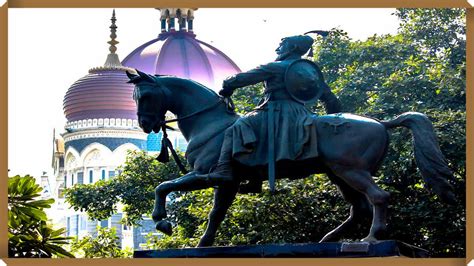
{"x":223,"y":198}
{"x":188,"y":182}
{"x":362,"y":181}
{"x":360,"y":209}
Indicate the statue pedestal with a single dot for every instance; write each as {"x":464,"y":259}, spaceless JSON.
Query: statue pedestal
{"x":386,"y":248}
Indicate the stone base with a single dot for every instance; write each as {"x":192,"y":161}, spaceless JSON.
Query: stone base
{"x":386,"y":248}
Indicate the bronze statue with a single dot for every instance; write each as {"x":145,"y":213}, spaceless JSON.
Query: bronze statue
{"x":225,"y":150}
{"x":281,"y":127}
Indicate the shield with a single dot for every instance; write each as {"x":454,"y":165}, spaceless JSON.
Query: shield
{"x":304,"y":81}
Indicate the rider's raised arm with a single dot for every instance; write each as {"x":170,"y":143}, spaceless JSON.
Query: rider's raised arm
{"x":254,"y":76}
{"x":331,"y":102}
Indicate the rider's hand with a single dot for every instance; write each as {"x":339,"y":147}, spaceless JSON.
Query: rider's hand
{"x":226,"y":90}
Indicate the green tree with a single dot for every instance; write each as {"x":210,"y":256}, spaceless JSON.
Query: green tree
{"x":29,"y":233}
{"x":104,"y":245}
{"x":134,"y":188}
{"x":419,"y":69}
{"x":440,"y":32}
{"x":247,"y":99}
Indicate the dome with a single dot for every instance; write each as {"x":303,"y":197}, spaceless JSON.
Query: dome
{"x":102,"y":98}
{"x":103,"y":93}
{"x":180,"y":54}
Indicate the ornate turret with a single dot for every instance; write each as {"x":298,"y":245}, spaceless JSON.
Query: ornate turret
{"x":184,"y":17}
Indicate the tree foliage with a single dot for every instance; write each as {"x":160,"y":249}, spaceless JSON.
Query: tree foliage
{"x":29,"y":233}
{"x":134,"y":188}
{"x":421,"y":68}
{"x":104,"y":245}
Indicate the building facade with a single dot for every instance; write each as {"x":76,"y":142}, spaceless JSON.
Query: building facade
{"x":101,"y":116}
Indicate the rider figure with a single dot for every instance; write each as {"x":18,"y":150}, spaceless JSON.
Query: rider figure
{"x":295,"y":138}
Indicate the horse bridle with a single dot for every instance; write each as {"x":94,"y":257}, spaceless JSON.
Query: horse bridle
{"x":159,"y":118}
{"x":166,"y":143}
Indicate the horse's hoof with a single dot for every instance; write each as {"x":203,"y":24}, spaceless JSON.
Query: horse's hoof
{"x":165,"y":227}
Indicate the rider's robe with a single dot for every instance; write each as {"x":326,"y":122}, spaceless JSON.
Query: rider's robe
{"x":295,"y":125}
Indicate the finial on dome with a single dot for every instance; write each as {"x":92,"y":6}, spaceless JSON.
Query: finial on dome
{"x":184,"y":17}
{"x":113,"y":35}
{"x":112,"y":58}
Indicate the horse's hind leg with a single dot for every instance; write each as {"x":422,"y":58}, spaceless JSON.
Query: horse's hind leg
{"x":360,"y":209}
{"x":223,"y":198}
{"x":362,"y":181}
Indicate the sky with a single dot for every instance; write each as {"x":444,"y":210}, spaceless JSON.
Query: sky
{"x":49,"y":49}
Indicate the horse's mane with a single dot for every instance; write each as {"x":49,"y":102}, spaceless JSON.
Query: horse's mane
{"x":180,"y":82}
{"x":187,"y":83}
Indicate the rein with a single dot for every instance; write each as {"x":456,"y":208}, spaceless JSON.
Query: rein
{"x":166,"y":143}
{"x":192,"y":114}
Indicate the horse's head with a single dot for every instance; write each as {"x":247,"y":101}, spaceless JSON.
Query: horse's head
{"x":150,"y":96}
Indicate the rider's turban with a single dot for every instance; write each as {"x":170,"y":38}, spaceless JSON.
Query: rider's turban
{"x":302,"y":42}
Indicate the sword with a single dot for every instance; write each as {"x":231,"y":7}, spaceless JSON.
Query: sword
{"x":271,"y":146}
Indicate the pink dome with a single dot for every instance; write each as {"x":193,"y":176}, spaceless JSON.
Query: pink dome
{"x":103,"y":93}
{"x":180,"y":54}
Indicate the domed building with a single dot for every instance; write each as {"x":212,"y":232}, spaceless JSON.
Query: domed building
{"x":177,"y":52}
{"x":101,"y":115}
{"x":101,"y":127}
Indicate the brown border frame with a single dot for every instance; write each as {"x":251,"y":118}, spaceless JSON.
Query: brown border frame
{"x":240,"y":3}
{"x":4,"y":131}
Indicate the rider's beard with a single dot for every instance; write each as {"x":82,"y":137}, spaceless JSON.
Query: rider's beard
{"x":282,"y":57}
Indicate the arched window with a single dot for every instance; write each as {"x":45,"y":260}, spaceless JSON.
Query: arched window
{"x":80,"y":178}
{"x":91,"y":176}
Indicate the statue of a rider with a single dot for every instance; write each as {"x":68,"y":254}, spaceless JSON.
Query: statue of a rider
{"x":292,"y":124}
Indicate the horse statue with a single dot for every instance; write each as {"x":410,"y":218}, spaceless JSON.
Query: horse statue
{"x":351,"y":149}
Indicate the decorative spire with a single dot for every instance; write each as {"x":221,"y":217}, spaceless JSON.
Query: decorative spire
{"x":113,"y":35}
{"x":113,"y":59}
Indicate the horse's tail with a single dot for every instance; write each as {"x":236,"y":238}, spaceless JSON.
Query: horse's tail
{"x":428,"y":156}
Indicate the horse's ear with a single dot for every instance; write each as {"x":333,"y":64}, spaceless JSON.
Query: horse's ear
{"x":146,"y":77}
{"x":133,"y":78}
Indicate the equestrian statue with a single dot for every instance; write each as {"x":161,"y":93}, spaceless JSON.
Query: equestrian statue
{"x":281,"y":138}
